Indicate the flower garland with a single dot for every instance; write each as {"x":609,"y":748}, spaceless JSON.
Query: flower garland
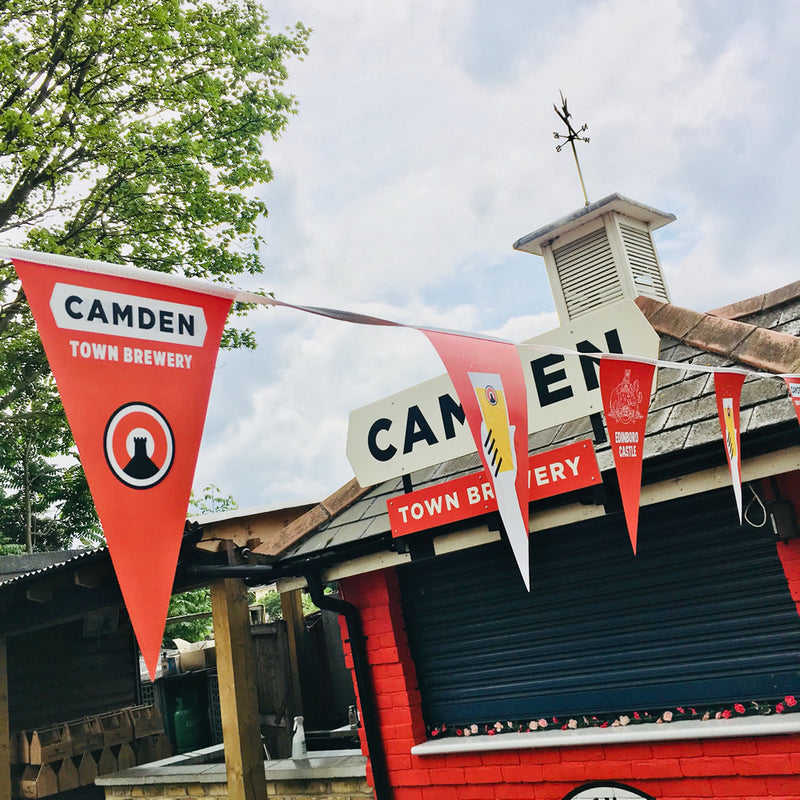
{"x":763,"y":708}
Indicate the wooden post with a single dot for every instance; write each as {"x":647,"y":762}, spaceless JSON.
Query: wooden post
{"x":292,"y":610}
{"x":5,"y":728}
{"x":244,"y":755}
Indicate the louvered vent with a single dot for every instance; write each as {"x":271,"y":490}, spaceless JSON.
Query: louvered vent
{"x":587,"y":274}
{"x":644,"y":264}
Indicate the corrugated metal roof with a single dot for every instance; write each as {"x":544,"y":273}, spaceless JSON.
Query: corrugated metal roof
{"x":18,"y":568}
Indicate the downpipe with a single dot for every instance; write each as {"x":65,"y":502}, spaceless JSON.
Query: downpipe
{"x":366,"y":693}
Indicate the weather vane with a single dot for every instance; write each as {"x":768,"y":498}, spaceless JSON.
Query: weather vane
{"x":571,"y":137}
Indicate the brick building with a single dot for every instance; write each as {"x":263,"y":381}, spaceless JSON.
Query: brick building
{"x":671,"y":673}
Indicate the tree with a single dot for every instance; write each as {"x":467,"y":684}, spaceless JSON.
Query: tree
{"x":45,"y":501}
{"x":131,"y":132}
{"x":197,"y":601}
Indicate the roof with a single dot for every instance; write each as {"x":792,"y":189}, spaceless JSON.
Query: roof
{"x":760,"y":333}
{"x":40,"y":590}
{"x":534,"y":242}
{"x":263,"y":528}
{"x":27,"y":565}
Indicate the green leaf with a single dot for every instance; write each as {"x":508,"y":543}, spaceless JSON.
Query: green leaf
{"x":131,"y":132}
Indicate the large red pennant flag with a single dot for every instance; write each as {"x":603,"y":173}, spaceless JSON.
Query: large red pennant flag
{"x":488,"y":379}
{"x":793,"y":385}
{"x":625,"y":388}
{"x":133,"y":360}
{"x":728,"y":389}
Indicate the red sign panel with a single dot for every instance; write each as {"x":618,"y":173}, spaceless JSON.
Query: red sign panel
{"x":557,"y":471}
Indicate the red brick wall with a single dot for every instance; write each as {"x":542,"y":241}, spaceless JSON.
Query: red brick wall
{"x":735,"y":769}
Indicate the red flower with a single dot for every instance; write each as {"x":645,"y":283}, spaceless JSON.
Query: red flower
{"x":459,"y":732}
{"x":491,"y":731}
{"x":604,"y":724}
{"x":726,"y":713}
{"x":739,"y":708}
{"x":780,"y":708}
{"x":790,"y":700}
{"x":636,"y":715}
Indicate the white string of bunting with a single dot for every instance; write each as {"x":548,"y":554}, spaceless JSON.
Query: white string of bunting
{"x":133,"y":353}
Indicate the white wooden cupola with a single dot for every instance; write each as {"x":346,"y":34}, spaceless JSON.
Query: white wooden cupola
{"x":600,"y":254}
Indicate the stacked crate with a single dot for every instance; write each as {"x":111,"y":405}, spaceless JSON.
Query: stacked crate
{"x":70,"y":754}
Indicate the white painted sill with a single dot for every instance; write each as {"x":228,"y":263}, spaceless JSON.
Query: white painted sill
{"x":773,"y":725}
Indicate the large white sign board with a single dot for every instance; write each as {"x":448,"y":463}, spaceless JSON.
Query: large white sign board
{"x":424,"y":425}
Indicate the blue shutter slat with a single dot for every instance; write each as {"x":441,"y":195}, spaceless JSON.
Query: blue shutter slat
{"x":702,"y":615}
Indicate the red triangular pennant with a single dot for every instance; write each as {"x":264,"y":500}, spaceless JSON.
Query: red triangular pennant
{"x":625,"y":388}
{"x":133,"y":360}
{"x":793,"y":385}
{"x":488,"y":379}
{"x":728,"y":389}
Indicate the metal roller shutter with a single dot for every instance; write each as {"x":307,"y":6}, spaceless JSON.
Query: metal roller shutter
{"x":701,"y":615}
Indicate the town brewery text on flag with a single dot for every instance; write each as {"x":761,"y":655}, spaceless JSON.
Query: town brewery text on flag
{"x":133,"y":356}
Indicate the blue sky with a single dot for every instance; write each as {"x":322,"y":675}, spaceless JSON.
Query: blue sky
{"x":423,"y":148}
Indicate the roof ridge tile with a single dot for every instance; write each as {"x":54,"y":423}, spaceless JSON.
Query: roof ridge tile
{"x":743,"y":342}
{"x":761,"y":302}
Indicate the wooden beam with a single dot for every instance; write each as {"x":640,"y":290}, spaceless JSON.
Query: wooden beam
{"x":90,"y":577}
{"x":292,"y":610}
{"x":5,"y":729}
{"x":42,"y":593}
{"x":241,"y":732}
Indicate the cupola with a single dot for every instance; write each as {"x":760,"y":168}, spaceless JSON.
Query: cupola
{"x":600,"y":254}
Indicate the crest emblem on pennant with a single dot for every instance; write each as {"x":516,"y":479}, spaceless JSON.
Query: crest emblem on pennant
{"x":626,"y":400}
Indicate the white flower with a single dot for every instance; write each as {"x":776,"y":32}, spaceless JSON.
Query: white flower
{"x":624,"y":719}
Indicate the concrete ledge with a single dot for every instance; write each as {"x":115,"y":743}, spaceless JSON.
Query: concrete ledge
{"x":774,"y":725}
{"x":335,"y":766}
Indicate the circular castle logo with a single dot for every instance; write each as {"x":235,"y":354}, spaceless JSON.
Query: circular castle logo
{"x":139,"y":445}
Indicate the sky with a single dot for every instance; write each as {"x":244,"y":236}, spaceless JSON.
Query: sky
{"x":423,"y":148}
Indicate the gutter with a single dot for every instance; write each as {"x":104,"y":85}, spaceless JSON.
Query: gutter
{"x":366,"y":694}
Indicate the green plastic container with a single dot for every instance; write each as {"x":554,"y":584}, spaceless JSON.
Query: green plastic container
{"x":188,"y":727}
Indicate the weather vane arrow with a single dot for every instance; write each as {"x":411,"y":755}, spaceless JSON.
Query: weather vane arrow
{"x":571,"y":137}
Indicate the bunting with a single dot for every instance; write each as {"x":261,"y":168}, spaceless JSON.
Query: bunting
{"x":728,"y":390}
{"x":487,"y":376}
{"x":133,"y":354}
{"x":793,"y":385}
{"x":625,"y":388}
{"x":133,"y":361}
